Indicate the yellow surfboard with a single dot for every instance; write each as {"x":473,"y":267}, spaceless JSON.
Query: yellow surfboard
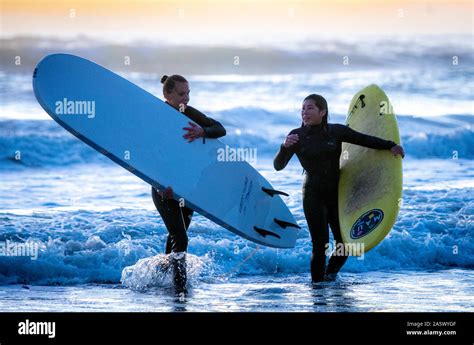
{"x":370,"y":185}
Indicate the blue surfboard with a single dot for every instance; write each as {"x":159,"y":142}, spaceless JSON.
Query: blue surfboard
{"x":143,"y":134}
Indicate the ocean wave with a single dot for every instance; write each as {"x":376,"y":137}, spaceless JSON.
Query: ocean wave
{"x":39,"y":144}
{"x":433,"y":231}
{"x":303,"y":57}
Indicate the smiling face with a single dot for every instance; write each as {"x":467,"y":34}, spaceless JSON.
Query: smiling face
{"x":179,"y":95}
{"x":311,"y":114}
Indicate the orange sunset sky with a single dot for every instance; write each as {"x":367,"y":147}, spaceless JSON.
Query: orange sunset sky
{"x":207,"y":21}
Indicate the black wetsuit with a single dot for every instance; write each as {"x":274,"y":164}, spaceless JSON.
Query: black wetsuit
{"x":176,"y":218}
{"x":319,"y":151}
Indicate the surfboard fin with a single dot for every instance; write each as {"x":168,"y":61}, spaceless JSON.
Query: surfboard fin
{"x":285,"y":224}
{"x":272,"y":192}
{"x":265,"y":233}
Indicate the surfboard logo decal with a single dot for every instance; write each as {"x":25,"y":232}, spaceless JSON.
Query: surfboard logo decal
{"x":366,"y":223}
{"x":245,"y":196}
{"x":386,"y":108}
{"x":241,"y":205}
{"x":360,"y":102}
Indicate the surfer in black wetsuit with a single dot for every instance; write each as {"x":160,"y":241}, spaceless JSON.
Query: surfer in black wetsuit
{"x":317,"y":144}
{"x":175,"y":215}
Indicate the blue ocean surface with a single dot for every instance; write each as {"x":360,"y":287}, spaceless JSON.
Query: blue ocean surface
{"x":93,"y":241}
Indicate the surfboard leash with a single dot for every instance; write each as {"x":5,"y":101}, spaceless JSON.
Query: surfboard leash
{"x":244,"y":260}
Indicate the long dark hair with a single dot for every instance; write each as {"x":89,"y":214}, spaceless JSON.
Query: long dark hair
{"x":170,"y":82}
{"x":322,"y":104}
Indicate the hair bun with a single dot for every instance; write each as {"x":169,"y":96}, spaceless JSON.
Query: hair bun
{"x":163,"y":79}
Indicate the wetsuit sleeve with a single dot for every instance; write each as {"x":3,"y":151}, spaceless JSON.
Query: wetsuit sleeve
{"x":211,"y":127}
{"x":349,"y":135}
{"x":283,"y":156}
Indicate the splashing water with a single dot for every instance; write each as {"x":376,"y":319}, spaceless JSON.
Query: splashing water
{"x":157,"y":271}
